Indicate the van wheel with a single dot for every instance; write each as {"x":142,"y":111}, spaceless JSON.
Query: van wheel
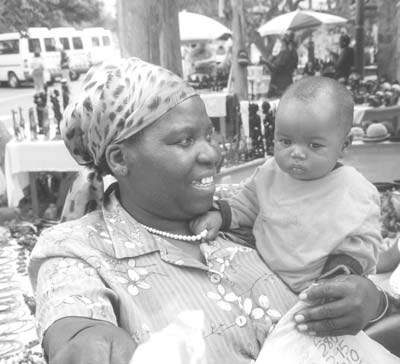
{"x":13,"y":80}
{"x":73,"y":75}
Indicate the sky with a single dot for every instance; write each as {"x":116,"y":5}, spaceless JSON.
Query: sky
{"x":110,"y":5}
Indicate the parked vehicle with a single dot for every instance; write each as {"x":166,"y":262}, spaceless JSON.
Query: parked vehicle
{"x":16,"y":52}
{"x":98,"y":44}
{"x":84,"y":48}
{"x":72,"y":42}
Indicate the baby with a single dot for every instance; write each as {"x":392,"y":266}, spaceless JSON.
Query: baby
{"x":310,"y":215}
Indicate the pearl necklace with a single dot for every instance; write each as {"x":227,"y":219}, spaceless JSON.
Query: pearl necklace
{"x":166,"y":234}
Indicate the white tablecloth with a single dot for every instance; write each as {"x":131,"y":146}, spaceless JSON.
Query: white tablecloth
{"x":26,"y":156}
{"x":215,"y":104}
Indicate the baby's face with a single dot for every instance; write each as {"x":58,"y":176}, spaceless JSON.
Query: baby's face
{"x":309,"y":138}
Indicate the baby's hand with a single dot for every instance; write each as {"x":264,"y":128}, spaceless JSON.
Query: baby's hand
{"x":210,"y":221}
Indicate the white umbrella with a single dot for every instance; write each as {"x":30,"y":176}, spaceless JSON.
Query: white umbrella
{"x":297,"y":20}
{"x":196,"y":27}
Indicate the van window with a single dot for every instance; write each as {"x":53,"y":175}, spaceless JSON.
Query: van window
{"x":106,"y":40}
{"x":77,"y":43}
{"x":65,"y":43}
{"x":9,"y":46}
{"x":50,"y":44}
{"x":34,"y":45}
{"x":95,"y":42}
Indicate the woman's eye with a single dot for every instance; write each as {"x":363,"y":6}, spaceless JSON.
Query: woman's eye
{"x":186,"y":142}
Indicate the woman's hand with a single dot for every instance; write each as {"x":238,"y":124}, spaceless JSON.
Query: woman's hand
{"x":96,"y":343}
{"x":344,"y":305}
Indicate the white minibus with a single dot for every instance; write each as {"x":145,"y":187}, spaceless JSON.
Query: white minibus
{"x":72,"y":42}
{"x":16,"y":52}
{"x":98,"y":44}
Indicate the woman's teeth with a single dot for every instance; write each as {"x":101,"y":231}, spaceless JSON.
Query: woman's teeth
{"x":205,"y":181}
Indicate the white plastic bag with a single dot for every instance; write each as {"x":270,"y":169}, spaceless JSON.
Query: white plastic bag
{"x":181,"y":342}
{"x":286,"y":345}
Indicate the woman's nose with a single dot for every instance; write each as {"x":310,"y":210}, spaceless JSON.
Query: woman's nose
{"x":297,"y":153}
{"x":209,"y":153}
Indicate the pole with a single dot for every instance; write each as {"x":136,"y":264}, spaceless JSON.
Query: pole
{"x":239,"y":73}
{"x":359,"y":48}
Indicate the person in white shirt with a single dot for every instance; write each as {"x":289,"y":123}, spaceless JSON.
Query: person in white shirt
{"x":37,"y":66}
{"x":310,"y":215}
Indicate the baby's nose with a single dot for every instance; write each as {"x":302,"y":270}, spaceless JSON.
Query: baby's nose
{"x":297,"y":153}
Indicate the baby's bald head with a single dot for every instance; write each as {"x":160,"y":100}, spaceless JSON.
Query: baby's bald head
{"x":322,"y":89}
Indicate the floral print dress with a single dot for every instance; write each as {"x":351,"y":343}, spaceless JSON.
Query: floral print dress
{"x":106,"y":266}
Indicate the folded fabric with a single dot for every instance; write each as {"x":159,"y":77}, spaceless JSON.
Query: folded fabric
{"x":181,"y":342}
{"x":287,"y":345}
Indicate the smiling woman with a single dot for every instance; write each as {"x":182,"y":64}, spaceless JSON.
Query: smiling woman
{"x":106,"y":282}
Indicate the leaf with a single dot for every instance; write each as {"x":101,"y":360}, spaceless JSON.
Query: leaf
{"x":230,"y":297}
{"x":224,"y":305}
{"x":121,"y":280}
{"x":69,"y":300}
{"x":133,"y":290}
{"x":214,"y":296}
{"x":143,"y":285}
{"x":263,"y":301}
{"x":142,"y":271}
{"x":133,"y":275}
{"x":247,"y":306}
{"x":257,"y":313}
{"x":85,"y":300}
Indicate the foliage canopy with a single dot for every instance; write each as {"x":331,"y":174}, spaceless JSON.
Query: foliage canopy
{"x":17,"y":15}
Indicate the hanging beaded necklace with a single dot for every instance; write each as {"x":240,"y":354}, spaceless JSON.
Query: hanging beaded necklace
{"x":166,"y":234}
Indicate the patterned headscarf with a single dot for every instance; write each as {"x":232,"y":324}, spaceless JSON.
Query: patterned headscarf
{"x":118,"y":99}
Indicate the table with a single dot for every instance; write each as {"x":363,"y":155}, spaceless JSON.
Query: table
{"x":23,"y":159}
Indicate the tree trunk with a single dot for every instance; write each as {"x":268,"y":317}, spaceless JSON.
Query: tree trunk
{"x":149,"y":29}
{"x":170,"y":40}
{"x":388,"y":55}
{"x":239,"y":72}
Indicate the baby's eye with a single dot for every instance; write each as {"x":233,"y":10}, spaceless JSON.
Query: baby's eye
{"x":285,"y":142}
{"x":315,"y":145}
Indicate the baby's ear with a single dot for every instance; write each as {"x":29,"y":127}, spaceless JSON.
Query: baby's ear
{"x":347,"y":142}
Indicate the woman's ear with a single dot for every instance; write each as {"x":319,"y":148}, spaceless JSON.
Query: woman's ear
{"x":116,"y":160}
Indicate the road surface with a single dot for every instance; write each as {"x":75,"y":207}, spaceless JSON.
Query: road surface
{"x":12,"y":99}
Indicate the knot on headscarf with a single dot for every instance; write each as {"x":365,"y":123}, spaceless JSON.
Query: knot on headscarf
{"x":118,"y":99}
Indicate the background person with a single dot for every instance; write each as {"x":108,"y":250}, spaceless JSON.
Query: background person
{"x":104,"y":283}
{"x":345,"y":60}
{"x":282,"y":66}
{"x":64,"y":64}
{"x":38,"y":72}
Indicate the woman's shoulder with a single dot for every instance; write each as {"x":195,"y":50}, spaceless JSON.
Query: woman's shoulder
{"x":68,"y":238}
{"x":76,"y":228}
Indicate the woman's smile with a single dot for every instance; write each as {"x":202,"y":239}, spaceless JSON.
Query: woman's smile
{"x":204,"y":182}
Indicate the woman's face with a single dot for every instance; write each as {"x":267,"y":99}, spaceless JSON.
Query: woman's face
{"x":173,"y":164}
